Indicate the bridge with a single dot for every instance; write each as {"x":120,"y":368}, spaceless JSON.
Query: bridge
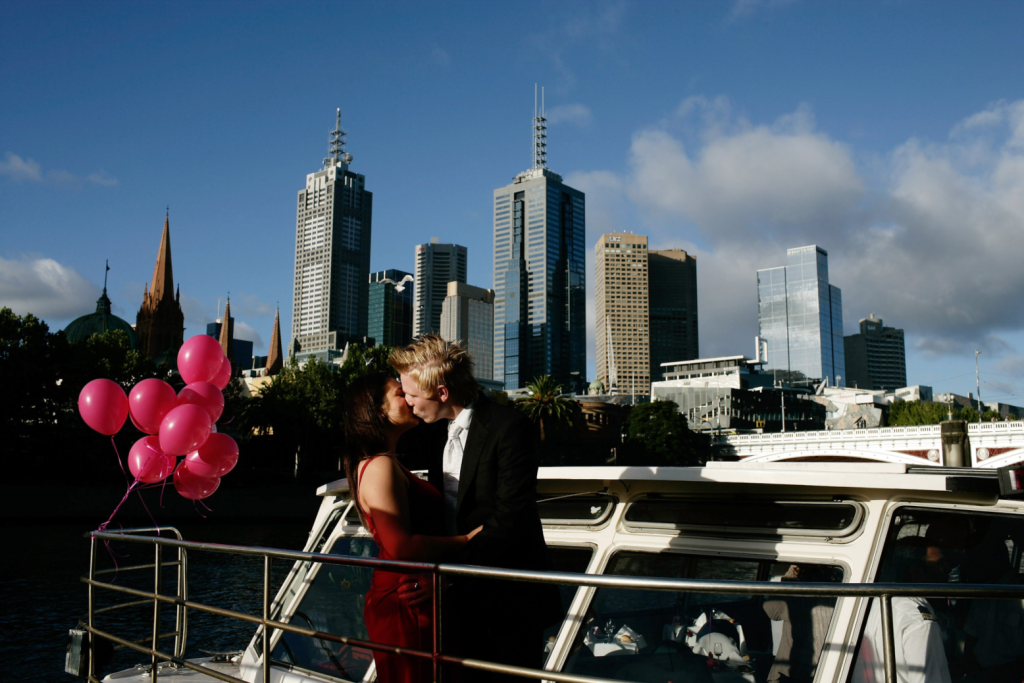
{"x":992,"y":444}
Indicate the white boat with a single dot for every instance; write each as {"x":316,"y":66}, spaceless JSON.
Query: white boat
{"x":778,"y":528}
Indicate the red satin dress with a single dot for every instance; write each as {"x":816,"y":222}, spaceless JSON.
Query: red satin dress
{"x":389,"y":619}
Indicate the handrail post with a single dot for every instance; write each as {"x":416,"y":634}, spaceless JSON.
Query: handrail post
{"x":179,"y":645}
{"x":266,"y":615}
{"x":156,"y":608}
{"x":92,"y":569}
{"x":888,"y":641}
{"x":435,"y":585}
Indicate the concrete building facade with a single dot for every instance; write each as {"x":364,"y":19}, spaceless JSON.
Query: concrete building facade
{"x":672,"y":302}
{"x":436,"y":265}
{"x":467,"y":317}
{"x":333,"y":227}
{"x":800,"y":317}
{"x":623,"y":341}
{"x":876,"y":358}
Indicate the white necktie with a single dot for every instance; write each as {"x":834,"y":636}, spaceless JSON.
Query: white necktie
{"x":452,"y":466}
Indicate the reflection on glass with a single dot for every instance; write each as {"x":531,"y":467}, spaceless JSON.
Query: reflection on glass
{"x":660,"y":636}
{"x":332,"y":604}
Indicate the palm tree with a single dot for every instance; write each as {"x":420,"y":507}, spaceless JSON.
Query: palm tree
{"x":546,"y":407}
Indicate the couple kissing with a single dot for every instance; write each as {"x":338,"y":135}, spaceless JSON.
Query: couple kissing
{"x":477,"y":507}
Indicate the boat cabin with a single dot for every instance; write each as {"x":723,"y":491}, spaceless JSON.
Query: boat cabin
{"x":814,"y":522}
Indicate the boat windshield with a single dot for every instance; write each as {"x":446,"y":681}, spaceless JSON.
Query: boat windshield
{"x":639,"y":635}
{"x":333,"y":603}
{"x":944,"y":639}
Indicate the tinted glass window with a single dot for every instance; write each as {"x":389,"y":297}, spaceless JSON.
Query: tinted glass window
{"x":639,"y":635}
{"x":945,"y":639}
{"x":750,"y":516}
{"x":565,"y":559}
{"x":586,"y":509}
{"x":332,"y":604}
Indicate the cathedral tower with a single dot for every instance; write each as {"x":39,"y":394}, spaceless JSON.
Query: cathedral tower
{"x":160,"y":322}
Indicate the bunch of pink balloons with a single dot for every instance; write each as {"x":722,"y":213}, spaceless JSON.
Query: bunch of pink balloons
{"x":182,"y":424}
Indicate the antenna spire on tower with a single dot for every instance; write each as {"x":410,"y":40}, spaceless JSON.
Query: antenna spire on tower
{"x":540,"y":132}
{"x":105,"y":275}
{"x":336,"y":149}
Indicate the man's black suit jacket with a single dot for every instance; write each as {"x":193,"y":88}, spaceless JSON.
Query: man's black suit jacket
{"x":497,"y":489}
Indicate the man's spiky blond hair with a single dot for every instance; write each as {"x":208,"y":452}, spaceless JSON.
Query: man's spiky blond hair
{"x":433,"y":362}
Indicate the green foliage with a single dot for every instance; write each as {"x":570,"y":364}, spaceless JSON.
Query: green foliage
{"x":547,"y":408}
{"x":909,"y":413}
{"x":299,"y":411}
{"x":656,"y":434}
{"x":43,"y":375}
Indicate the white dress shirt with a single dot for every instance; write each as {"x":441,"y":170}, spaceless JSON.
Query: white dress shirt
{"x":451,"y":465}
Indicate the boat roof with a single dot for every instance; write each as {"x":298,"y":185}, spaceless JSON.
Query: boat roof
{"x":844,"y":475}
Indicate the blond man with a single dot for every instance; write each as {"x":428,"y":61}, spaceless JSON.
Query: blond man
{"x":486,"y":470}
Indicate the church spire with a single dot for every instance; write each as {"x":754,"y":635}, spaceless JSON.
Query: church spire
{"x":163,"y":276}
{"x":227,"y":341}
{"x":274,"y":360}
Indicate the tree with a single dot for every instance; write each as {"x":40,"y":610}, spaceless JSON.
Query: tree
{"x":910,"y":413}
{"x":299,"y":413}
{"x":656,"y":434}
{"x":546,"y":407}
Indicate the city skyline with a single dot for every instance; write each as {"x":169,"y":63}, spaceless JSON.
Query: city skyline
{"x":902,"y":165}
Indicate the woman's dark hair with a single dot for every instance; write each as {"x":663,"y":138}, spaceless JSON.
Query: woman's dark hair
{"x":366,"y":425}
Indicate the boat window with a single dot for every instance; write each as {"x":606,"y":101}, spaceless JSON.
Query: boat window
{"x":332,"y":604}
{"x":639,"y":635}
{"x":574,"y":559}
{"x":945,"y":639}
{"x":587,"y":509}
{"x":777,"y":518}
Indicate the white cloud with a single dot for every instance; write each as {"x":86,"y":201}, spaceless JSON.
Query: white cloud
{"x":576,"y":114}
{"x":742,"y":8}
{"x":244,"y":330}
{"x":930,"y":238}
{"x":439,"y":56}
{"x":18,"y":169}
{"x":21,"y":170}
{"x":45,"y":288}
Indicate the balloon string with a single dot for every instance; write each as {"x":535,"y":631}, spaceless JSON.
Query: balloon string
{"x":121,"y":464}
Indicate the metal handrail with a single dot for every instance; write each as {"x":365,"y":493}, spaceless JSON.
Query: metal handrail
{"x":885,"y":591}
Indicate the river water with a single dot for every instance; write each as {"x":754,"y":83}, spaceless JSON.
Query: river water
{"x":43,"y":596}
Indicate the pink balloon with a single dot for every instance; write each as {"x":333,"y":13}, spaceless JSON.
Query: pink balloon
{"x":215,"y":458}
{"x":137,"y":425}
{"x":103,"y":405}
{"x":148,"y":463}
{"x":192,"y":486}
{"x":204,"y":395}
{"x":200,"y":359}
{"x":185,"y":429}
{"x":223,"y":375}
{"x":149,"y":402}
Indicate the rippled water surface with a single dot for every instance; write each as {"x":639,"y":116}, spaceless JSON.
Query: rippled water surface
{"x":43,"y":596}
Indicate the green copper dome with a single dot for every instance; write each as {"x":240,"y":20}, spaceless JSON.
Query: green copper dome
{"x":98,"y":323}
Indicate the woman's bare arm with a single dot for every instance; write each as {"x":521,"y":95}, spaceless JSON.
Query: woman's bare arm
{"x":383,"y":493}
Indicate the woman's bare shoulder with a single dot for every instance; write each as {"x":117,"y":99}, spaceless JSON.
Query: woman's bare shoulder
{"x":380,"y":469}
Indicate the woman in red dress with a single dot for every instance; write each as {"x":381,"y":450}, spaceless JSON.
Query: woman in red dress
{"x":405,"y":515}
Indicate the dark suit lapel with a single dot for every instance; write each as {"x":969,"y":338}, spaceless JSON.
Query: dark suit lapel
{"x":435,"y":473}
{"x":479,"y":427}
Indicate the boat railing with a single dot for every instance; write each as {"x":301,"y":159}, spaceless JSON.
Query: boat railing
{"x":884,"y":591}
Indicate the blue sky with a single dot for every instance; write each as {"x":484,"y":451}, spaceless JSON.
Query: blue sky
{"x":890,"y":133}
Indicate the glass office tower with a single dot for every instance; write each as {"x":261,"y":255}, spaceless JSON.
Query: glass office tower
{"x":539,"y":276}
{"x":800,"y":316}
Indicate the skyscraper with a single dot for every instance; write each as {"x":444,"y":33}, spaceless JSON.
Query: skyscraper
{"x":160,"y":322}
{"x":623,"y":341}
{"x":672,"y":284}
{"x":800,"y":316}
{"x":332,"y":254}
{"x":390,"y":307}
{"x":876,"y":358}
{"x":468,"y":317}
{"x":436,"y":266}
{"x":539,"y":274}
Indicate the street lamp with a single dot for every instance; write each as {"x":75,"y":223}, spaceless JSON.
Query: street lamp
{"x":977,"y":377}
